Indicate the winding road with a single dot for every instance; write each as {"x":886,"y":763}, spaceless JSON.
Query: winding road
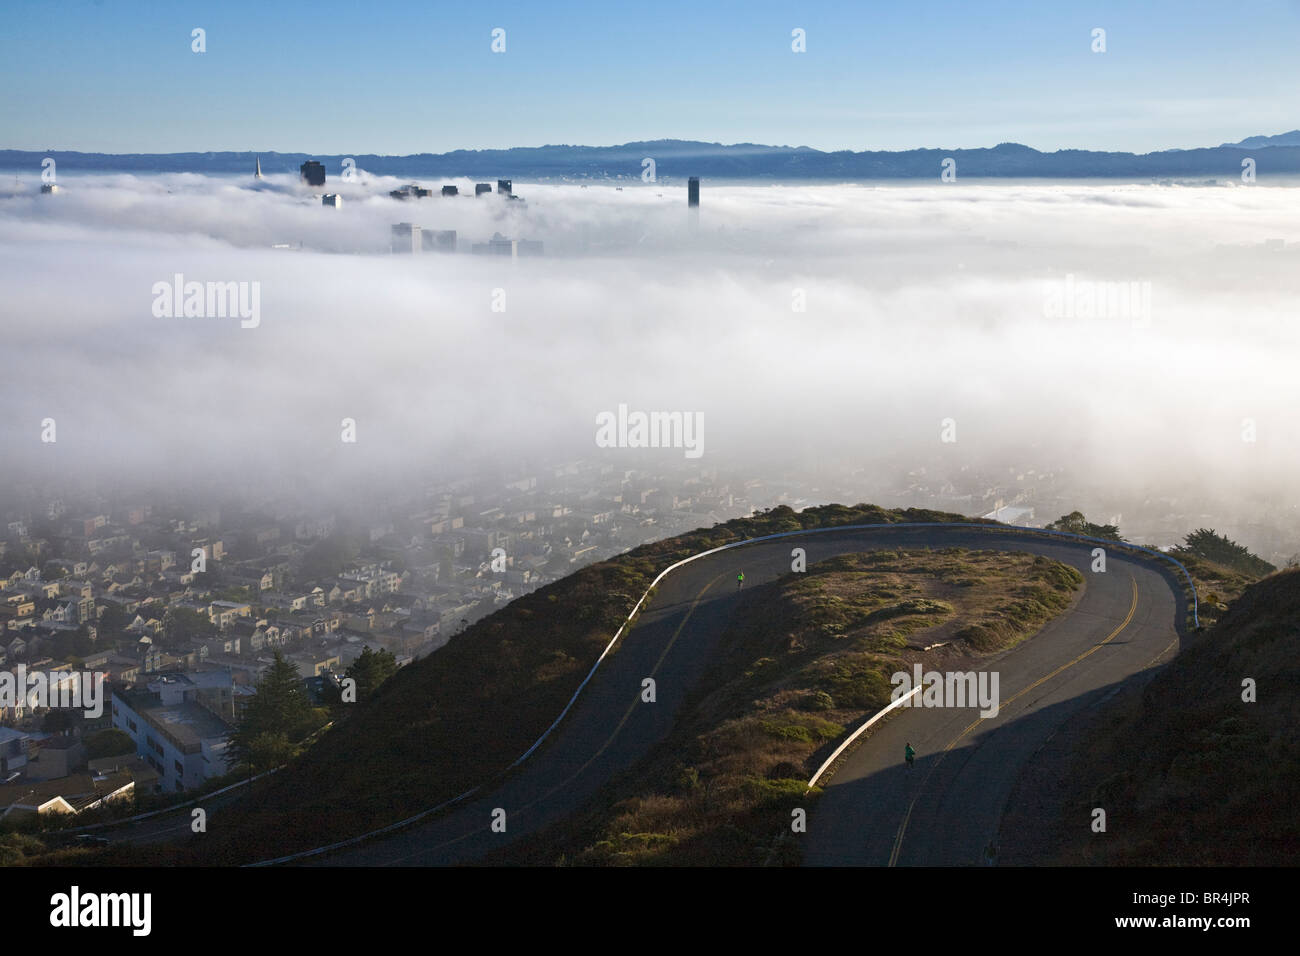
{"x":873,"y":810}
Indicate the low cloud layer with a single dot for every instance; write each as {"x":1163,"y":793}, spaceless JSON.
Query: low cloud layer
{"x":803,"y":323}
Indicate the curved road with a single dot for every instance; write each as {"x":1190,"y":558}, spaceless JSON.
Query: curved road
{"x":873,"y":811}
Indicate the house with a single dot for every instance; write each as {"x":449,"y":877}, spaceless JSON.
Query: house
{"x":144,"y":626}
{"x":122,"y":671}
{"x":82,"y":791}
{"x":14,"y":746}
{"x":75,"y":589}
{"x":271,"y":633}
{"x":223,"y":644}
{"x":313,"y":662}
{"x":146,"y":779}
{"x":57,"y":757}
{"x":63,"y":613}
{"x":359,"y":617}
{"x":18,"y":607}
{"x":97,"y":661}
{"x":224,"y":613}
{"x":193,"y":658}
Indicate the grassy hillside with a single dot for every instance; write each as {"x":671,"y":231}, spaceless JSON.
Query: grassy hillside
{"x":1189,"y":773}
{"x":807,"y":658}
{"x":1217,"y":586}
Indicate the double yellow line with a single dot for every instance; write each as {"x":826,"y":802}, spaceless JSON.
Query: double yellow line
{"x":902,"y":828}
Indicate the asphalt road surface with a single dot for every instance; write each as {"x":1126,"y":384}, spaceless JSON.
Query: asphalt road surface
{"x":874,"y":811}
{"x":947,"y":808}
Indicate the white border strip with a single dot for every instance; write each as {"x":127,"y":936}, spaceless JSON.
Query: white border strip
{"x":857,"y":733}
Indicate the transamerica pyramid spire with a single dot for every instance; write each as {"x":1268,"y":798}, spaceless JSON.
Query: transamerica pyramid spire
{"x":258,"y":173}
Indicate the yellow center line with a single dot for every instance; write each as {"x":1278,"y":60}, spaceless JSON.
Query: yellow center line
{"x":902,"y":828}
{"x":1162,"y":653}
{"x":577,"y":773}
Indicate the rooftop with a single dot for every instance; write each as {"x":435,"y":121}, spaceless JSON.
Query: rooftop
{"x":78,"y":789}
{"x":188,"y":723}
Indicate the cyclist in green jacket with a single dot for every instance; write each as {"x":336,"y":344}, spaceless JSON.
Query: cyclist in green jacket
{"x":909,"y":755}
{"x":740,"y":580}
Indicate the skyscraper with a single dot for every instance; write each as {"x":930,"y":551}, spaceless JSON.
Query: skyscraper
{"x":312,"y":173}
{"x":693,"y":192}
{"x":441,"y":240}
{"x":257,"y":172}
{"x":505,"y":187}
{"x":406,"y":238}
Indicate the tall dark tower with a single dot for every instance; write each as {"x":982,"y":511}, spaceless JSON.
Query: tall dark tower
{"x":312,"y":173}
{"x":693,"y":192}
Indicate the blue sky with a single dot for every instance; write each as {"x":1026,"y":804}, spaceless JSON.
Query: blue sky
{"x":403,"y":77}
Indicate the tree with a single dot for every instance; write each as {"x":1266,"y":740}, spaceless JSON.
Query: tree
{"x":280,"y":707}
{"x":109,"y":743}
{"x":370,"y":670}
{"x":180,"y":624}
{"x":113,"y":620}
{"x":1076,"y":523}
{"x":269,"y":750}
{"x":69,"y":644}
{"x":1208,"y":544}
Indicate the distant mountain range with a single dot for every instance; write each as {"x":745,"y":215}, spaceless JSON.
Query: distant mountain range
{"x":1281,"y":139}
{"x":677,"y":159}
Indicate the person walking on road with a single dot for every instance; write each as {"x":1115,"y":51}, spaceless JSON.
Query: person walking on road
{"x":740,"y":580}
{"x":991,"y":854}
{"x":909,"y":755}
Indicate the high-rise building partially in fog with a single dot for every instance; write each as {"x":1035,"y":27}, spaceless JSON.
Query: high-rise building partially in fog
{"x":406,"y":238}
{"x":693,"y":192}
{"x":439,"y":240}
{"x":257,"y":170}
{"x":505,"y":187}
{"x":312,"y":173}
